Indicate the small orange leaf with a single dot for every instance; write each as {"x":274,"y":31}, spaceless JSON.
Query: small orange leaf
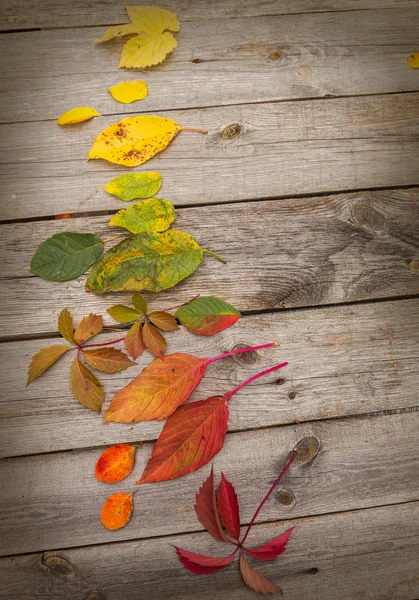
{"x":134,"y":340}
{"x":87,"y":328}
{"x":255,"y":580}
{"x":44,"y":359}
{"x":115,"y":463}
{"x":65,"y":325}
{"x":163,"y":320}
{"x":107,"y":360}
{"x":154,"y":340}
{"x":116,"y":512}
{"x":86,"y":388}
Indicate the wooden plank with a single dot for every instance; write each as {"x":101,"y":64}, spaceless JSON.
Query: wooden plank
{"x":22,"y":15}
{"x":281,"y":254}
{"x":284,"y":149}
{"x":342,"y":361}
{"x":340,"y":54}
{"x":370,"y":554}
{"x":53,"y":501}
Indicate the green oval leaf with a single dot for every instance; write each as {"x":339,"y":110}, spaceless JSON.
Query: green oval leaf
{"x":154,"y":215}
{"x":146,"y":261}
{"x":135,"y":185}
{"x":123,"y":314}
{"x":207,"y":315}
{"x":65,"y":256}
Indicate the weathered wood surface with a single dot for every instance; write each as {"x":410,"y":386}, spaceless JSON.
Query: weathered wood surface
{"x":342,"y":361}
{"x":281,"y":254}
{"x":54,"y":500}
{"x":344,"y":53}
{"x":371,"y":553}
{"x":283,"y":149}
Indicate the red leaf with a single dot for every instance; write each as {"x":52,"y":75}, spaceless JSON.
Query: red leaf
{"x":200,"y":564}
{"x":228,"y":507}
{"x":272,"y":549}
{"x":255,"y":580}
{"x":206,"y":509}
{"x":190,"y":438}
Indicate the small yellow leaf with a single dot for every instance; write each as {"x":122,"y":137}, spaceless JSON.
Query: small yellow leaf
{"x":77,"y":115}
{"x":65,"y":325}
{"x":87,"y":328}
{"x":130,"y":91}
{"x":44,"y":359}
{"x":86,"y":388}
{"x":146,"y":50}
{"x":413,"y":60}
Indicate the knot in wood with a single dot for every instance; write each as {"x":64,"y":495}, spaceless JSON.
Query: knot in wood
{"x":292,"y":395}
{"x":307,"y":449}
{"x":276,"y":55}
{"x":368,"y":217}
{"x":196,"y":60}
{"x":245,"y":358}
{"x":286,"y":497}
{"x":231,"y":131}
{"x":94,"y":596}
{"x":57,"y":565}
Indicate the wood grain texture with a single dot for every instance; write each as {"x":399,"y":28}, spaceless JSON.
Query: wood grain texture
{"x":22,"y":15}
{"x":240,"y":60}
{"x":370,"y":554}
{"x":281,"y":254}
{"x":283,"y":149}
{"x":342,"y":361}
{"x":54,"y":501}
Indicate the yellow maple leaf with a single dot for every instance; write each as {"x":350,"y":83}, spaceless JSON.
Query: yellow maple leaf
{"x":153,"y":42}
{"x":413,"y":60}
{"x":130,"y":91}
{"x":134,"y":140}
{"x":77,"y":115}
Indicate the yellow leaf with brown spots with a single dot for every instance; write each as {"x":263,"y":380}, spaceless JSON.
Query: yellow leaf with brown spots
{"x":134,"y":140}
{"x":77,"y":115}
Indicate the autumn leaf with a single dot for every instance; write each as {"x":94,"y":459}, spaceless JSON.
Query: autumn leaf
{"x":134,"y":342}
{"x":65,"y":256}
{"x":139,"y":303}
{"x":255,"y":580}
{"x":206,"y":509}
{"x":116,"y":512}
{"x":155,"y":41}
{"x":207,"y":315}
{"x":77,"y":115}
{"x":115,"y":463}
{"x":413,"y":60}
{"x":44,"y":359}
{"x":65,"y":325}
{"x":154,"y":340}
{"x":87,"y":328}
{"x":85,"y":387}
{"x":200,"y":564}
{"x":134,"y":185}
{"x":134,"y":140}
{"x":228,"y":507}
{"x":146,"y":261}
{"x":129,"y":91}
{"x":107,"y":360}
{"x":163,"y":320}
{"x":154,"y":215}
{"x":272,"y":549}
{"x":123,"y":314}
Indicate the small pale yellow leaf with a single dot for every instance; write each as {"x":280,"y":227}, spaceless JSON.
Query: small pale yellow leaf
{"x":147,"y":50}
{"x":130,"y":91}
{"x":413,"y":60}
{"x":117,"y":31}
{"x":77,"y":115}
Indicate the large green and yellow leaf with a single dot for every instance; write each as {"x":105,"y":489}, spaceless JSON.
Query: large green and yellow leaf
{"x":135,"y":185}
{"x":146,"y":261}
{"x":85,"y":387}
{"x":153,"y":215}
{"x":44,"y":359}
{"x":65,"y":256}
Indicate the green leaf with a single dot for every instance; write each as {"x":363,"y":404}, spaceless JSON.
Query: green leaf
{"x":135,"y":185}
{"x":146,"y":261}
{"x":154,"y":215}
{"x":65,"y":256}
{"x":139,"y":303}
{"x":123,"y":314}
{"x":207,"y":315}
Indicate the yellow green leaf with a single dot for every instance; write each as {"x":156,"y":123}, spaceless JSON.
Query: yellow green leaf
{"x":413,"y":60}
{"x":44,"y":359}
{"x":134,"y":185}
{"x":123,"y":314}
{"x":129,"y":91}
{"x":87,"y":328}
{"x":107,"y":360}
{"x":85,"y":387}
{"x":138,"y":302}
{"x":77,"y":115}
{"x":65,"y":325}
{"x":153,"y":215}
{"x":154,"y":41}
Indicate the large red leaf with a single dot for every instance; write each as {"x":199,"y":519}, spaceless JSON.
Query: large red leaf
{"x":200,"y":564}
{"x":255,"y":580}
{"x":206,"y":509}
{"x":272,"y":549}
{"x":190,"y":438}
{"x":158,"y":390}
{"x":228,"y":507}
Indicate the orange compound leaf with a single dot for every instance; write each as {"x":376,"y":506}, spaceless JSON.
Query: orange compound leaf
{"x":115,"y":463}
{"x":116,"y":512}
{"x":154,"y":340}
{"x":134,"y":342}
{"x":158,"y":390}
{"x":190,"y":438}
{"x":202,"y":565}
{"x":206,"y":509}
{"x":228,"y":507}
{"x":163,"y":320}
{"x":272,"y":549}
{"x":87,"y":328}
{"x":107,"y":360}
{"x":255,"y":580}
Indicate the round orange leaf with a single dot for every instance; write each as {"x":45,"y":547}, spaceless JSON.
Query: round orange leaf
{"x":116,"y":512}
{"x":115,"y":463}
